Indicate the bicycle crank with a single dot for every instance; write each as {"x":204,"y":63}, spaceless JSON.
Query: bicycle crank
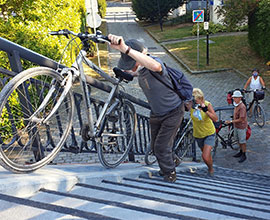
{"x":85,"y":132}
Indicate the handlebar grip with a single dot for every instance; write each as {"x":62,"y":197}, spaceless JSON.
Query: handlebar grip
{"x":54,"y":33}
{"x":107,"y":39}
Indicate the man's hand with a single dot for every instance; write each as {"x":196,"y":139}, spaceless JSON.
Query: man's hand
{"x":118,"y":43}
{"x":228,"y":122}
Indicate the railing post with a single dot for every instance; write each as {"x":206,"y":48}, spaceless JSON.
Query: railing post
{"x":15,"y":61}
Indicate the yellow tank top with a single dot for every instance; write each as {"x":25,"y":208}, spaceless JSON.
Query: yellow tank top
{"x":203,"y":127}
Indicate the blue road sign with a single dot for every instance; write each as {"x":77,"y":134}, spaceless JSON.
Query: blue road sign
{"x":198,"y":15}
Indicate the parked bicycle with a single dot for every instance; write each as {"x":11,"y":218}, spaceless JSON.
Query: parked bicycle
{"x":182,"y":145}
{"x":225,"y":138}
{"x":35,"y":100}
{"x":254,"y":105}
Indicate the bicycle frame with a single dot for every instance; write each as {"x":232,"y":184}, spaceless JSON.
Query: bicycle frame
{"x":224,"y":142}
{"x":69,"y":75}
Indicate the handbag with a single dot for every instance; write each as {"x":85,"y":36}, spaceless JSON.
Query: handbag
{"x":248,"y":132}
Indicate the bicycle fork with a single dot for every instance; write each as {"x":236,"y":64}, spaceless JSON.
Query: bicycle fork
{"x":67,"y":84}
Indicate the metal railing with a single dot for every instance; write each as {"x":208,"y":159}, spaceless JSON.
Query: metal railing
{"x":76,"y":144}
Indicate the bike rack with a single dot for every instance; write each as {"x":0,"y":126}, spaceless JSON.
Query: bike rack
{"x":227,"y":109}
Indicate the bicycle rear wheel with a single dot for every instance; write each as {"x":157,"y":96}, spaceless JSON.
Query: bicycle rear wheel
{"x":149,"y":158}
{"x":117,"y":136}
{"x":183,"y":144}
{"x":26,"y":142}
{"x":259,"y":115}
{"x":214,"y":149}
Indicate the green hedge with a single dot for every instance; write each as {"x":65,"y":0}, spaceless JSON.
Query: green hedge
{"x":259,"y":29}
{"x":215,"y":28}
{"x":33,"y":22}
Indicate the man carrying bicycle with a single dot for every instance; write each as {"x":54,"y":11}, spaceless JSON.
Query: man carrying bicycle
{"x":240,"y":124}
{"x":167,"y":109}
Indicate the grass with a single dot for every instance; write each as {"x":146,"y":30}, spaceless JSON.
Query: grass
{"x":170,"y":32}
{"x":225,"y":52}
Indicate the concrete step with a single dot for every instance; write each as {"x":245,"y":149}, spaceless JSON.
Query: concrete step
{"x":143,"y":194}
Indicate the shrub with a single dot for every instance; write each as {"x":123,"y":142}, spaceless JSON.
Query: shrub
{"x":259,"y":29}
{"x":102,"y":8}
{"x":215,"y":28}
{"x":33,"y":22}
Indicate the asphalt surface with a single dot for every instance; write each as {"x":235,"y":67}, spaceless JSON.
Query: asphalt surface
{"x":214,"y":85}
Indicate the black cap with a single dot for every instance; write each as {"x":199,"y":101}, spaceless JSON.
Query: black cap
{"x":126,"y":62}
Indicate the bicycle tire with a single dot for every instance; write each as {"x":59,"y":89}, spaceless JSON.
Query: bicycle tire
{"x":149,"y":157}
{"x":26,"y":143}
{"x":259,"y":115}
{"x":183,"y":146}
{"x":231,"y":140}
{"x":214,"y":149}
{"x":113,"y":148}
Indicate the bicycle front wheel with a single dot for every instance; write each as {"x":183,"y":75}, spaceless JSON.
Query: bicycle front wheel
{"x":117,"y":136}
{"x":232,"y":140}
{"x":26,"y":141}
{"x":183,"y":144}
{"x":214,"y":149}
{"x":259,"y":115}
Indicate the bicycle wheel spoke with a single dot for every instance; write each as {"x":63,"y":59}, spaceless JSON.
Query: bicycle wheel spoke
{"x":117,"y":136}
{"x":28,"y":143}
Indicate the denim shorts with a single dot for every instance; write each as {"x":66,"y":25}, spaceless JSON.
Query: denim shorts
{"x":208,"y":140}
{"x":240,"y":135}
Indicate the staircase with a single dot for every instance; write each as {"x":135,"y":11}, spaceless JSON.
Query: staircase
{"x":228,"y":194}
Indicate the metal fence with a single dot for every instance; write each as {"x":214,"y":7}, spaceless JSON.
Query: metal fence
{"x":76,"y":144}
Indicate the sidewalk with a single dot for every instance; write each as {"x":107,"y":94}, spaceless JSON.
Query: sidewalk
{"x":215,"y":86}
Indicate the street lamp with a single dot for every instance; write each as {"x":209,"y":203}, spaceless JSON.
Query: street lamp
{"x":160,"y":18}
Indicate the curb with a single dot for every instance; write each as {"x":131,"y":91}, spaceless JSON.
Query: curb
{"x":64,"y":177}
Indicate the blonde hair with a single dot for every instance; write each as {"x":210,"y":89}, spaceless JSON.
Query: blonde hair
{"x":198,"y":94}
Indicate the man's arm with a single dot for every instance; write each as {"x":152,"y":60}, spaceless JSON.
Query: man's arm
{"x":144,"y":60}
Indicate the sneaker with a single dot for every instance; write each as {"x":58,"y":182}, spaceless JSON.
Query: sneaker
{"x":171,"y":177}
{"x":160,"y":172}
{"x":239,"y":154}
{"x":176,"y":160}
{"x":243,"y":158}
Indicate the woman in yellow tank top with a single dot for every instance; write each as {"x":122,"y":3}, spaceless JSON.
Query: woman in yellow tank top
{"x":204,"y":130}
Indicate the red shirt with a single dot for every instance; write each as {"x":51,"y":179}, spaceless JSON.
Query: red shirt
{"x":240,"y":112}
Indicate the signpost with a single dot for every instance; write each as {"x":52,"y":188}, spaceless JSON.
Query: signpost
{"x":197,"y":17}
{"x":93,"y":19}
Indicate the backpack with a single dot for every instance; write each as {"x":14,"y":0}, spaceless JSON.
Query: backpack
{"x":181,"y":85}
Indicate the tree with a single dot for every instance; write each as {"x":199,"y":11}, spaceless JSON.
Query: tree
{"x":235,"y":13}
{"x":259,"y":29}
{"x":154,"y":10}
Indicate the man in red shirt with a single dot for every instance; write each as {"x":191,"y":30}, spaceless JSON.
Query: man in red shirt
{"x":240,"y":124}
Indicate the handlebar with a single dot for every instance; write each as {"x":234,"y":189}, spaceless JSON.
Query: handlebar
{"x":97,"y":38}
{"x":246,"y":91}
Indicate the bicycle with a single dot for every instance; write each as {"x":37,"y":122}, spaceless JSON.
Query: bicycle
{"x":227,"y":140}
{"x":183,"y":141}
{"x":39,"y":97}
{"x":258,"y":111}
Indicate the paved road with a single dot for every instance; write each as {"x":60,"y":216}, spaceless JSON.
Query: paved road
{"x":214,"y":85}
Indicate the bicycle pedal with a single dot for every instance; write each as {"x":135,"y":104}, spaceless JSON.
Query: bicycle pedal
{"x":85,"y":132}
